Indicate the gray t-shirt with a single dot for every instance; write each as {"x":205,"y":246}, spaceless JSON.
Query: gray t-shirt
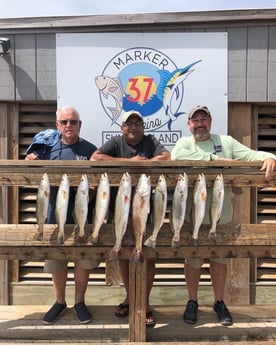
{"x":117,"y":146}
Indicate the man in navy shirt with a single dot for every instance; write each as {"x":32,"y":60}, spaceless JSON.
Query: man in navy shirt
{"x":64,"y":144}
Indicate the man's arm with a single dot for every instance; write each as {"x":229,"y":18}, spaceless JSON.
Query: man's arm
{"x":163,"y":156}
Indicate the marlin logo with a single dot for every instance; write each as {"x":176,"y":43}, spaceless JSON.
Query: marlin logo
{"x":168,"y":89}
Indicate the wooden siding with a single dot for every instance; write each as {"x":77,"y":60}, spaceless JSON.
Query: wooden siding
{"x":29,"y":72}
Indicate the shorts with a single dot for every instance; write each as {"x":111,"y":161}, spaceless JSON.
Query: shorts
{"x":54,"y":266}
{"x":198,"y":262}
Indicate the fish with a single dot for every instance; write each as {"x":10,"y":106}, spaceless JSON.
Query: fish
{"x":200,"y":196}
{"x":101,"y":206}
{"x":62,"y":201}
{"x":121,"y":213}
{"x":168,"y":89}
{"x":140,"y":211}
{"x":81,"y":206}
{"x":42,"y":203}
{"x":179,"y":203}
{"x":216,"y":205}
{"x":113,"y":87}
{"x":159,"y":210}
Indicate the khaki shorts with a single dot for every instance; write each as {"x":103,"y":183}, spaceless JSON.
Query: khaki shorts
{"x":198,"y":262}
{"x":54,"y":266}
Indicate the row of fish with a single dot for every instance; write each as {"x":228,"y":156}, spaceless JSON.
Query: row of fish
{"x":80,"y":208}
{"x":140,"y":208}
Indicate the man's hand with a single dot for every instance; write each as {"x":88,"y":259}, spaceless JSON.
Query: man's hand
{"x":269,"y":165}
{"x":31,"y":156}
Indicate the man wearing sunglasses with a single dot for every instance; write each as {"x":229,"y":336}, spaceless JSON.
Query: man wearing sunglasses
{"x":65,"y":144}
{"x":132,"y":145}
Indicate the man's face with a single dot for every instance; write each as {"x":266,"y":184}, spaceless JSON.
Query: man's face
{"x":133,"y":129}
{"x":200,"y":125}
{"x":69,"y":125}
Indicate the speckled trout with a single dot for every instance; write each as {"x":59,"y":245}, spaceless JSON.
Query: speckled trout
{"x":140,"y":211}
{"x":81,"y":206}
{"x":101,"y":207}
{"x":61,"y":207}
{"x":200,"y":196}
{"x":42,"y":203}
{"x":159,"y":210}
{"x":216,"y":205}
{"x":178,"y":208}
{"x":122,"y":207}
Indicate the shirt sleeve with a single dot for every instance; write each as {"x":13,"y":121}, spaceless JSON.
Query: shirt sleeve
{"x":109,"y":148}
{"x":237,"y":150}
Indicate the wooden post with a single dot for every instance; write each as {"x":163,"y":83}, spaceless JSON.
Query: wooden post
{"x":237,"y":289}
{"x":137,"y":303}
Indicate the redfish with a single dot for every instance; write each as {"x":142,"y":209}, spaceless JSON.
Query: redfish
{"x":159,"y":210}
{"x":122,"y":208}
{"x":140,"y":211}
{"x":216,"y":205}
{"x":81,"y":206}
{"x":62,"y":201}
{"x":42,"y":203}
{"x":178,"y":208}
{"x":200,"y":196}
{"x":101,"y":207}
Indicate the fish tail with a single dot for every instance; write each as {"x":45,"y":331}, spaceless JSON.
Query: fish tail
{"x":150,"y":242}
{"x":136,"y":256}
{"x":113,"y":254}
{"x":175,"y":244}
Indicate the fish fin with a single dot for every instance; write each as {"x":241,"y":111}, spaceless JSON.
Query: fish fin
{"x":175,"y":244}
{"x":38,"y":236}
{"x":150,"y":242}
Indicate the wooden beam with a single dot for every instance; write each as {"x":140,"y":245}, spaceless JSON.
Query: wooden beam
{"x":233,"y":241}
{"x":28,"y":173}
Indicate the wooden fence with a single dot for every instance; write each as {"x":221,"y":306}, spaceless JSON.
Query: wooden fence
{"x":233,"y":240}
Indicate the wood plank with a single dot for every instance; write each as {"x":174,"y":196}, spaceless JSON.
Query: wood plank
{"x":271,"y":64}
{"x":237,"y":41}
{"x":25,"y":76}
{"x":255,"y":324}
{"x":244,"y":240}
{"x":28,"y":173}
{"x":4,"y":264}
{"x":137,"y":295}
{"x":257,"y":73}
{"x":46,"y":67}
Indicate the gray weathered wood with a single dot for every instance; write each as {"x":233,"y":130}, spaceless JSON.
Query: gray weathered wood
{"x":251,"y":48}
{"x":257,"y":73}
{"x":25,"y":70}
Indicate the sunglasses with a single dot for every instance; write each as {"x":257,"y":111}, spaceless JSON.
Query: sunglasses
{"x":72,"y":122}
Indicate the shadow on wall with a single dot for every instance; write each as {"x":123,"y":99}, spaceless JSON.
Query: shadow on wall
{"x":25,"y":87}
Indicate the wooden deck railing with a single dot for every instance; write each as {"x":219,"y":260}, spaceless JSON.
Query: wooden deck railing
{"x":233,"y":240}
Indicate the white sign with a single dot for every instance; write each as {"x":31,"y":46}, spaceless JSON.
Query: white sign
{"x":161,"y":75}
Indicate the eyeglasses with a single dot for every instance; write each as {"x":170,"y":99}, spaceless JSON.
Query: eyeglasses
{"x":135,"y":124}
{"x":72,"y":122}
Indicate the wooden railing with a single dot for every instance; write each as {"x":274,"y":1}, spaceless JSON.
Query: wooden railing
{"x":233,"y":240}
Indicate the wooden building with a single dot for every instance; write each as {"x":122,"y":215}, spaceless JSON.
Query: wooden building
{"x":28,"y":98}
